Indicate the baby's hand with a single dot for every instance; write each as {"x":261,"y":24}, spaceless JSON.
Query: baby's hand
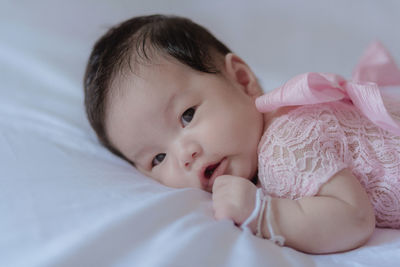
{"x":234,"y":199}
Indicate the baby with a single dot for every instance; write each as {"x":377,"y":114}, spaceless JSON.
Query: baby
{"x":313,"y":165}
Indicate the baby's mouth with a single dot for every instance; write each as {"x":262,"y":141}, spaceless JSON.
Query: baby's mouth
{"x":210,"y":170}
{"x":207,"y":175}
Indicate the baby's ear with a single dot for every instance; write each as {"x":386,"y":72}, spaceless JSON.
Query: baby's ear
{"x":238,"y":71}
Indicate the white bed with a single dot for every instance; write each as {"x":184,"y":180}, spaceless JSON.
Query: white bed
{"x":66,"y":201}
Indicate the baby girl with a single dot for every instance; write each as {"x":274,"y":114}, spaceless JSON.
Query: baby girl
{"x":313,"y":165}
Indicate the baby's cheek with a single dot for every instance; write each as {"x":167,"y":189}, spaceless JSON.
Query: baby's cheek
{"x":177,"y":179}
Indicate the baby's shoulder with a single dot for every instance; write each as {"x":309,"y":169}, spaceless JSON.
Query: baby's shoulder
{"x":292,"y":122}
{"x":315,"y":113}
{"x":335,"y":109}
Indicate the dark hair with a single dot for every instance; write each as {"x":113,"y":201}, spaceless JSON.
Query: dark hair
{"x":136,"y":38}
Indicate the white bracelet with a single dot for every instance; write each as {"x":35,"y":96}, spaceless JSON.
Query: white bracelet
{"x":258,"y":211}
{"x":277,"y":239}
{"x":261,"y":215}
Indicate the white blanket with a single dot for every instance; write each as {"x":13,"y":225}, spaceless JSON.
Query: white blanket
{"x":66,"y":201}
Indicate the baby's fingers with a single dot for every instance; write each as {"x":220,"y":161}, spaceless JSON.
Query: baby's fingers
{"x":233,"y":198}
{"x":220,"y":183}
{"x":220,"y":198}
{"x":221,"y":209}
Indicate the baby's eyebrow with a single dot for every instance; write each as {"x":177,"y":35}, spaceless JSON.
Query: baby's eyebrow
{"x":138,"y":156}
{"x":170,"y":101}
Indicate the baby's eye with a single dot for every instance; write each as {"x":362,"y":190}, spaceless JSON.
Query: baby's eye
{"x":158,"y":159}
{"x":187,"y":116}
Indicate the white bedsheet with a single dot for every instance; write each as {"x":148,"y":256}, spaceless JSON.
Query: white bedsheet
{"x":66,"y":201}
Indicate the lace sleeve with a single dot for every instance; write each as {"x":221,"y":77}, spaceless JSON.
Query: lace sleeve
{"x":301,"y":151}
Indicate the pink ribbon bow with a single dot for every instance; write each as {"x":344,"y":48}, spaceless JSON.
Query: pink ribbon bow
{"x":375,"y":69}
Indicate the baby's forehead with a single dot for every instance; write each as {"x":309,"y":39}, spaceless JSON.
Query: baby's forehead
{"x":130,"y":78}
{"x":156,"y":75}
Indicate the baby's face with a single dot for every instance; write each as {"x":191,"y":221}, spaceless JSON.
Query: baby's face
{"x":184,"y":128}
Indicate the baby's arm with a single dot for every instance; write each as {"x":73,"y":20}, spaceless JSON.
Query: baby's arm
{"x":340,"y":217}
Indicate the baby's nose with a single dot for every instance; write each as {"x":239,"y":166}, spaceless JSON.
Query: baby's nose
{"x":190,"y":159}
{"x":189,"y":154}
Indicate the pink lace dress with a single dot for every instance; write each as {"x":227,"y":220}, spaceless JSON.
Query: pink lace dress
{"x":334,"y":128}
